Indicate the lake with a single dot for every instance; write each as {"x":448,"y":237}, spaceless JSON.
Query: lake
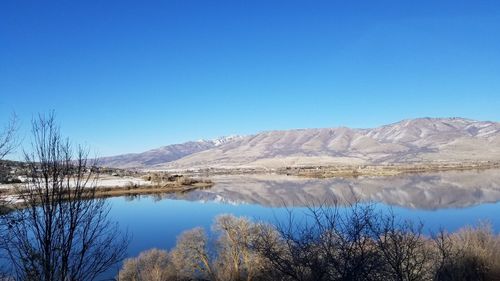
{"x":448,"y":199}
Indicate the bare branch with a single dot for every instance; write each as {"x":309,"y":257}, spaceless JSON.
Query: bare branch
{"x":61,"y":231}
{"x":8,"y":141}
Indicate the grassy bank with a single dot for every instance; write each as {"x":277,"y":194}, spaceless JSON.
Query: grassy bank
{"x":103,"y":192}
{"x":349,"y":171}
{"x":383,"y":170}
{"x":157,"y":183}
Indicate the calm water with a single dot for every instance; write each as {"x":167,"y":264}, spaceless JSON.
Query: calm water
{"x":449,"y":200}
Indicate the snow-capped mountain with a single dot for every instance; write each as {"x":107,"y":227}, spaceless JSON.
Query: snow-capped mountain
{"x":414,"y":140}
{"x":163,"y":154}
{"x":221,"y":140}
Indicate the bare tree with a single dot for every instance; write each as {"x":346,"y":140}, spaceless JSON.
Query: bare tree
{"x":8,"y":137}
{"x":406,"y":253}
{"x":235,"y":258}
{"x":191,"y":256}
{"x":152,"y":265}
{"x":444,"y":256}
{"x":61,"y":232}
{"x":8,"y":143}
{"x":330,"y":244}
{"x":346,"y":242}
{"x":469,"y":254}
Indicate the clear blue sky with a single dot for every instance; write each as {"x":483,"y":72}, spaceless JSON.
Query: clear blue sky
{"x":126,"y":76}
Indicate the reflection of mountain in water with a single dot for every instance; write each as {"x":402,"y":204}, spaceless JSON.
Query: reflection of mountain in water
{"x":419,"y":191}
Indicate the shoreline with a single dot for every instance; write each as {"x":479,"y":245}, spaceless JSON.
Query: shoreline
{"x":10,"y":200}
{"x":105,"y":192}
{"x":315,"y":172}
{"x":383,"y":171}
{"x":348,"y":171}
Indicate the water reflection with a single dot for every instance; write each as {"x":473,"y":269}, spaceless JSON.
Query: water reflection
{"x":455,"y":189}
{"x":449,"y":200}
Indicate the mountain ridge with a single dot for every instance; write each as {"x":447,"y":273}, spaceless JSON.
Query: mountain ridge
{"x":410,"y":140}
{"x":163,"y":154}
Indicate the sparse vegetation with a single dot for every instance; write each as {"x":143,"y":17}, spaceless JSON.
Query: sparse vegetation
{"x":349,"y":171}
{"x":164,"y":179}
{"x":136,"y":182}
{"x":152,"y":265}
{"x":469,"y":254}
{"x":157,"y":183}
{"x":332,"y":244}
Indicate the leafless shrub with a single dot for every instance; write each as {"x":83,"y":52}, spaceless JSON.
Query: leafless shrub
{"x":334,"y":243}
{"x":183,"y":180}
{"x":406,"y":254}
{"x":152,"y":265}
{"x":191,"y":256}
{"x":131,"y":185}
{"x":235,"y":259}
{"x":331,"y":245}
{"x":469,"y":254}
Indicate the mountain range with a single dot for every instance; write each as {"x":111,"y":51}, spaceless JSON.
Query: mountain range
{"x":409,"y":141}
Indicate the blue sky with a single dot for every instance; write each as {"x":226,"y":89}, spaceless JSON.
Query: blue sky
{"x":126,"y":76}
